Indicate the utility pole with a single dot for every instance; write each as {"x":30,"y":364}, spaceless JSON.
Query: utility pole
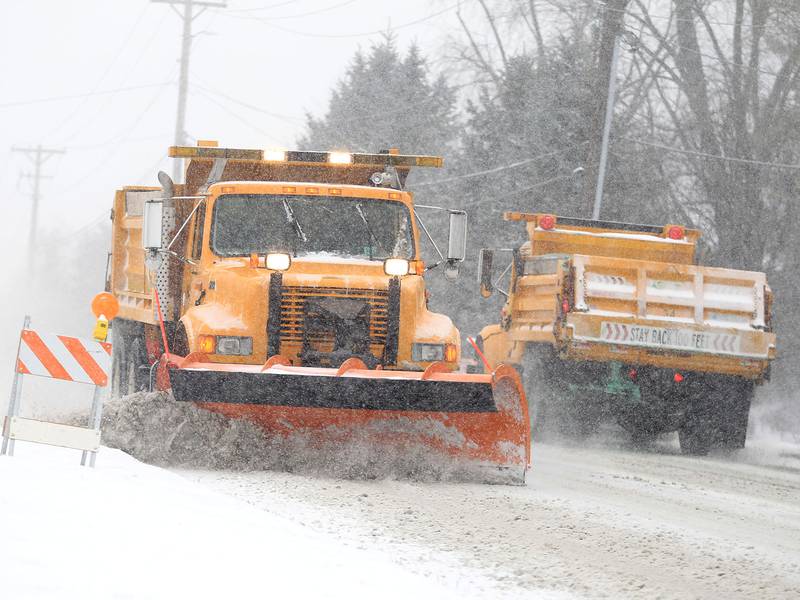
{"x":38,"y":155}
{"x":188,"y":15}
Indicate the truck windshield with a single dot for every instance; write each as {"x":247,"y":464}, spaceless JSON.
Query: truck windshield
{"x":331,"y":225}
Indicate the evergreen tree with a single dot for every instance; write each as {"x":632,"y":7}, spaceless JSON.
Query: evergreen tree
{"x":386,"y":100}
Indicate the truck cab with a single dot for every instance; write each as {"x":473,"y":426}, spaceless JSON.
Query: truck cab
{"x":313,"y":257}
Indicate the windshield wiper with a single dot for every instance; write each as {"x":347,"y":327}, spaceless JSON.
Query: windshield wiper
{"x":290,"y":218}
{"x":369,"y":230}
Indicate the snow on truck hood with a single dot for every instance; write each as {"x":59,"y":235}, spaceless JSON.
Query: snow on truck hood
{"x":318,"y":257}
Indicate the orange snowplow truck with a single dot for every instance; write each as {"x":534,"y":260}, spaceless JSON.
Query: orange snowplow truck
{"x":286,"y":287}
{"x":616,"y":320}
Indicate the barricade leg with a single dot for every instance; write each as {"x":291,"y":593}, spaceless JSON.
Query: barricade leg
{"x":13,"y":409}
{"x":14,"y":400}
{"x":95,"y":418}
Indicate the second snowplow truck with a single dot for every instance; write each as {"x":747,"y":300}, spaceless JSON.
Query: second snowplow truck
{"x":618,"y":320}
{"x":286,"y":287}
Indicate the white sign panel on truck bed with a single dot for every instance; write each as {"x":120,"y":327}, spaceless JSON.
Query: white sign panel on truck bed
{"x":670,"y":338}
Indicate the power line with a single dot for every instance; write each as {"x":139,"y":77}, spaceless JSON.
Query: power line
{"x":268,"y":7}
{"x":530,"y":188}
{"x":109,"y":155}
{"x":100,"y":110}
{"x":300,"y":15}
{"x":86,"y":95}
{"x":497,"y":169}
{"x":75,"y":234}
{"x":736,"y":159}
{"x":348,"y":35}
{"x":107,"y":70}
{"x":114,"y":141}
{"x":237,"y":116}
{"x":247,"y":105}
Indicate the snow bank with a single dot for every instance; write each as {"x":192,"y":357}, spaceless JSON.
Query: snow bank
{"x":129,"y":530}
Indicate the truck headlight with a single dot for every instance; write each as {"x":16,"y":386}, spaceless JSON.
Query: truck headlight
{"x":427,"y":352}
{"x":278,"y":261}
{"x":395,"y":266}
{"x":232,"y":345}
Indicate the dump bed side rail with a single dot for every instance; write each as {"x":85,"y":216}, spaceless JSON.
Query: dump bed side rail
{"x":690,"y":294}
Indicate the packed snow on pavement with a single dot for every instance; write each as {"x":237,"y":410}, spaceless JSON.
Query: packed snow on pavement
{"x":603,"y":519}
{"x":130,"y":530}
{"x":592,"y":522}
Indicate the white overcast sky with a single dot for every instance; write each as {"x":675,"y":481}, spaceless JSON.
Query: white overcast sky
{"x":282,"y":56}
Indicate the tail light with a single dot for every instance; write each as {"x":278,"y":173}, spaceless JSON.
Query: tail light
{"x":677,"y":378}
{"x":675,"y":232}
{"x":632,"y":374}
{"x":565,"y":306}
{"x":547,"y":222}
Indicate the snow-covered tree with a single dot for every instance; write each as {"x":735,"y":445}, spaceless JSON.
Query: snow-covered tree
{"x":386,"y":100}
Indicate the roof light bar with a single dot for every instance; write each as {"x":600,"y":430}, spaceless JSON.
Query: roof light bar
{"x":275,"y":155}
{"x":340,"y":158}
{"x":304,"y":156}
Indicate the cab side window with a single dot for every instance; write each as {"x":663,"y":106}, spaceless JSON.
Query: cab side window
{"x":197,"y":232}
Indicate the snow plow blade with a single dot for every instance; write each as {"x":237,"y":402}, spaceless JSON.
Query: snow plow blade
{"x":475,"y":421}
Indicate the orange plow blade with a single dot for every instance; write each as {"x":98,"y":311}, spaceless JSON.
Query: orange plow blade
{"x":477,"y":422}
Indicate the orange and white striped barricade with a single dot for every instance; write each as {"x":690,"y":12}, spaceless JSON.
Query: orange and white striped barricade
{"x":58,"y":357}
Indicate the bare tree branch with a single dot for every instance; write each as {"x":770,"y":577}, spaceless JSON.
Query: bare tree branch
{"x":487,"y":68}
{"x":497,"y":38}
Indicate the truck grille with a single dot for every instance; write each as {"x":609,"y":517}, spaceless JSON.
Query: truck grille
{"x":293,"y":308}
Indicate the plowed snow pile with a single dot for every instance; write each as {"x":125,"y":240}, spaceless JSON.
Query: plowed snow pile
{"x":155,"y":428}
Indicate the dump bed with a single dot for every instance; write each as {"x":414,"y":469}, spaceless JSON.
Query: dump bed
{"x":611,"y":306}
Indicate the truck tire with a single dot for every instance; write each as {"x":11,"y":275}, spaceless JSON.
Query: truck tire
{"x":138,"y":372}
{"x":717,"y":415}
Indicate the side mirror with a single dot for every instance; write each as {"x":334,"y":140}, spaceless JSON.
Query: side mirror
{"x":151,"y":225}
{"x":457,"y":242}
{"x":485,"y":259}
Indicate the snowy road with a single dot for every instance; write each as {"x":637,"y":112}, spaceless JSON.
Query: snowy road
{"x":591,"y":522}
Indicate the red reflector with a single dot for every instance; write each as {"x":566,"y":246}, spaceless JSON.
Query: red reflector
{"x":678,"y":378}
{"x":675,"y":233}
{"x":632,"y":374}
{"x":547,"y":221}
{"x":565,"y":306}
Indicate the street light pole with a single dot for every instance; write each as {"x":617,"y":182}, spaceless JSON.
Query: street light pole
{"x":612,"y":91}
